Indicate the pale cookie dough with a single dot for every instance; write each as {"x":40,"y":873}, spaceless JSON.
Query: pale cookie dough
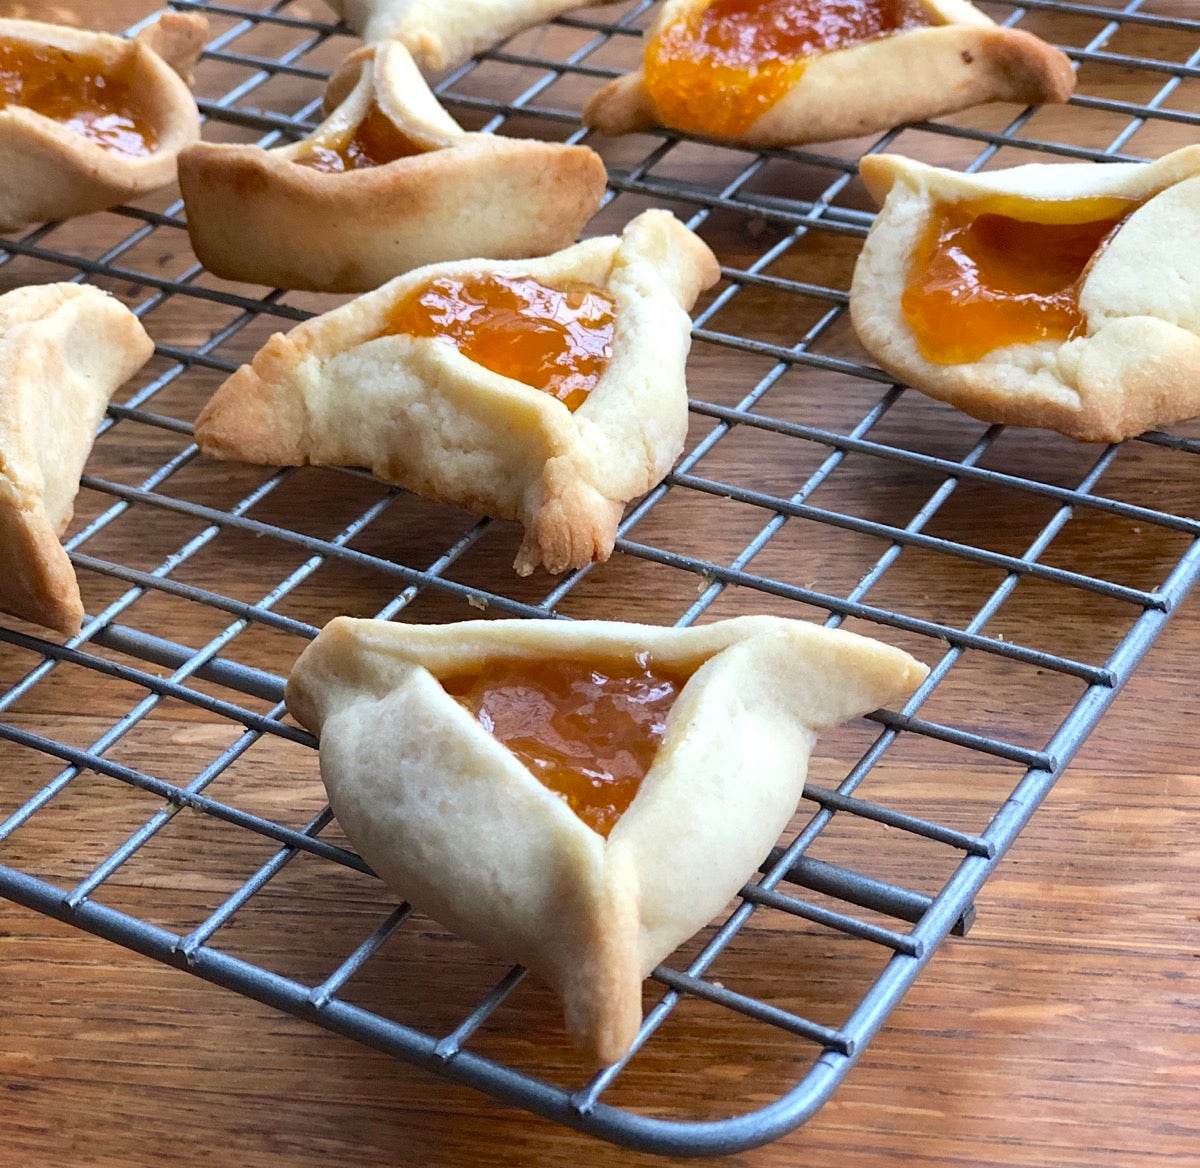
{"x":444,"y":33}
{"x":1136,"y":365}
{"x":64,"y":350}
{"x":420,"y":414}
{"x":261,"y":216}
{"x":48,"y":171}
{"x":452,"y":822}
{"x":962,"y":59}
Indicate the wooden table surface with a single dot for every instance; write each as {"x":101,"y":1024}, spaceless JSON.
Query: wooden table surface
{"x":1064,"y":1031}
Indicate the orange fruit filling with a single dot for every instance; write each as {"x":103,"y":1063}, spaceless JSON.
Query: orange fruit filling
{"x":80,"y":91}
{"x":723,"y":64}
{"x":558,"y":340}
{"x":588,"y":732}
{"x":1002,"y":271}
{"x":373,"y":142}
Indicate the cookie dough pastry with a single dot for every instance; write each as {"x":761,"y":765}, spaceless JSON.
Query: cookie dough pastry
{"x":89,"y":120}
{"x":64,"y":350}
{"x":1058,"y":296}
{"x":444,"y":33}
{"x":387,"y":183}
{"x":549,"y":391}
{"x":782,"y":72}
{"x":541,"y":841}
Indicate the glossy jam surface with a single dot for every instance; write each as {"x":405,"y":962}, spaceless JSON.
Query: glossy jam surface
{"x":80,"y":91}
{"x":723,"y":64}
{"x":589,"y":732}
{"x":373,"y":142}
{"x":982,"y":278}
{"x":558,"y":340}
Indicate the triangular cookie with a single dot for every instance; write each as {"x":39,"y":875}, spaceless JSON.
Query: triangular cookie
{"x":783,"y":72}
{"x":89,"y":120}
{"x":452,"y":821}
{"x":64,"y":350}
{"x":444,"y":33}
{"x":388,"y":182}
{"x":356,"y":387}
{"x":1058,"y":296}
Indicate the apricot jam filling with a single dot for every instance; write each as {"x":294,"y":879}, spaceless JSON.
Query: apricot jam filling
{"x":558,"y":340}
{"x":588,"y":732}
{"x":80,"y":91}
{"x":1002,"y":271}
{"x":375,"y":141}
{"x":723,"y":64}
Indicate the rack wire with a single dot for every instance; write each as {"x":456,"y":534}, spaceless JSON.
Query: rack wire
{"x":801,"y":457}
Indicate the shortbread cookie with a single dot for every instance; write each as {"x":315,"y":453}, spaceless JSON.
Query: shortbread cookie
{"x":1059,"y":296}
{"x":590,"y":874}
{"x":89,"y":120}
{"x":387,"y":183}
{"x":444,"y":33}
{"x":64,"y":350}
{"x":782,"y":72}
{"x":549,"y":391}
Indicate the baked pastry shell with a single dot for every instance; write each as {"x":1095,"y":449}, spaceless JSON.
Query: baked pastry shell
{"x":420,"y":414}
{"x":1136,"y":365}
{"x":451,"y":821}
{"x":48,"y":171}
{"x":64,"y":350}
{"x":920,"y":73}
{"x":257,"y":215}
{"x":441,"y":34}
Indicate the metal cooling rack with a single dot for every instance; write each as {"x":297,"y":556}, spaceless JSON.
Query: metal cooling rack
{"x":260,"y":80}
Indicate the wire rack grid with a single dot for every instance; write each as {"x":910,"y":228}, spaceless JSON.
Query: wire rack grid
{"x":812,"y":485}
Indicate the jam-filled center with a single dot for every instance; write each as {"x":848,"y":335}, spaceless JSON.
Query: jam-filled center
{"x":556,"y":339}
{"x":80,"y":91}
{"x":723,"y":64}
{"x":588,"y":732}
{"x":982,"y":278}
{"x":375,"y":141}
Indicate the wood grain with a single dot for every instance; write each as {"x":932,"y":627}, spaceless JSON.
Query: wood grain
{"x":1063,"y":1031}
